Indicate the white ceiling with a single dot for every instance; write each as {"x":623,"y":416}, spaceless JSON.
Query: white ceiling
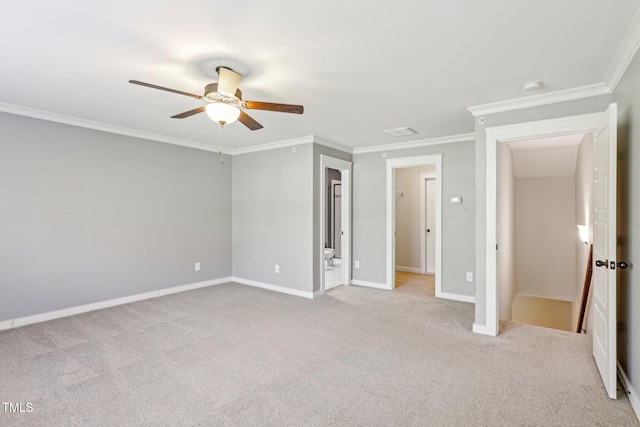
{"x":357,"y":67}
{"x":545,"y":157}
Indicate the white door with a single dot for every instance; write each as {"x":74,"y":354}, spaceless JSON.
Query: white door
{"x":430,"y":232}
{"x":604,"y":252}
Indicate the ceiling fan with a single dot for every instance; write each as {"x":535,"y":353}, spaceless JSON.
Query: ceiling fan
{"x":225,"y":101}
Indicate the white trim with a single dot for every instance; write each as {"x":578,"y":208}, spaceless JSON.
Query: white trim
{"x":529,"y":130}
{"x":408,"y":269}
{"x":633,"y":395}
{"x":415,"y":144}
{"x":370,"y":284}
{"x":274,"y":145}
{"x":541,"y":99}
{"x":625,"y":54}
{"x":403,"y":162}
{"x":345,"y":168}
{"x":457,"y":297}
{"x":118,"y":130}
{"x":321,"y":141}
{"x":551,"y":127}
{"x":480,"y":329}
{"x":270,"y":287}
{"x":317,"y":294}
{"x":43,"y":317}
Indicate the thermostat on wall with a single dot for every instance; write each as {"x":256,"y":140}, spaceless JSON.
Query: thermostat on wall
{"x":456,"y":199}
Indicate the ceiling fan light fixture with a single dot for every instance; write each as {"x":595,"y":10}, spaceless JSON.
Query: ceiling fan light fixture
{"x":222,"y":113}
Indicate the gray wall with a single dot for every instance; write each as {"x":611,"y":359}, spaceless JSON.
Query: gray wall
{"x":273,"y":219}
{"x":319,"y":150}
{"x":458,"y":220}
{"x":627,"y":95}
{"x":562,"y":109}
{"x":88,"y":216}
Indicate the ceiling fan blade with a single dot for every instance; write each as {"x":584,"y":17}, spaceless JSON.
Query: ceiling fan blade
{"x":248,"y":121}
{"x":282,"y":108}
{"x":188,"y":113}
{"x":228,"y":81}
{"x":179,"y":92}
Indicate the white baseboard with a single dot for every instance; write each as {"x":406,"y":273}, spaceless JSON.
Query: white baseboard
{"x":274,"y":288}
{"x":480,"y":329}
{"x":370,"y":284}
{"x":317,"y":294}
{"x":456,"y":297}
{"x":43,"y":317}
{"x":408,"y":269}
{"x":633,"y":396}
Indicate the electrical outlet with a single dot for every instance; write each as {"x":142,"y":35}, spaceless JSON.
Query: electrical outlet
{"x":469,"y":277}
{"x":197,"y":266}
{"x":277,"y":268}
{"x":356,"y":264}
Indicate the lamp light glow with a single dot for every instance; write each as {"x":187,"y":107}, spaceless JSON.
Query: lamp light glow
{"x":222,"y":113}
{"x":584,"y":233}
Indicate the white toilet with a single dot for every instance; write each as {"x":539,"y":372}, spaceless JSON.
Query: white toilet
{"x":328,"y":254}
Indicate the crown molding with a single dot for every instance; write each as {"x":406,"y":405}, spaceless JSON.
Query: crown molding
{"x":541,"y":99}
{"x":103,"y":127}
{"x":415,"y":144}
{"x":625,"y":54}
{"x":331,"y":144}
{"x":273,"y":145}
{"x":309,"y":139}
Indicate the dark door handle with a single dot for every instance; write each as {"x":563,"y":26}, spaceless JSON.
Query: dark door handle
{"x":622,"y":265}
{"x":600,"y":263}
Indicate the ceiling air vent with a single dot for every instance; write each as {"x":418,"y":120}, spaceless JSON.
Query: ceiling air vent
{"x":400,"y":132}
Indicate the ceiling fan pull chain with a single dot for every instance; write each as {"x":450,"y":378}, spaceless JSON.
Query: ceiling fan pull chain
{"x":220,"y":139}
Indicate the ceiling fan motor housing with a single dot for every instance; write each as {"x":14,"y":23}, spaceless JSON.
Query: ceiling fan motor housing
{"x":211,"y":94}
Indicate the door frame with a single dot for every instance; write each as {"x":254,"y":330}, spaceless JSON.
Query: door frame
{"x":423,"y":218}
{"x":345,"y":168}
{"x":586,"y":123}
{"x":406,"y":162}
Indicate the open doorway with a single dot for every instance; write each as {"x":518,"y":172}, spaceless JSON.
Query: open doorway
{"x":408,"y":250}
{"x":603,"y":128}
{"x":544,"y":193}
{"x":333,"y":231}
{"x":415,"y":226}
{"x":335,"y":224}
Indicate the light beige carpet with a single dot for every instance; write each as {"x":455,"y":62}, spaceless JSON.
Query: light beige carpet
{"x":236,"y":355}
